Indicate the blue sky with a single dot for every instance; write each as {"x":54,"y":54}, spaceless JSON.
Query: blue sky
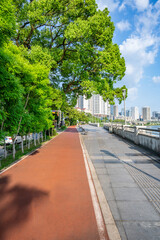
{"x":137,"y":32}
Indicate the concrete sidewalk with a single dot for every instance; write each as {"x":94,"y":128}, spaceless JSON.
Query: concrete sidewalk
{"x":130,"y":178}
{"x":47,"y":196}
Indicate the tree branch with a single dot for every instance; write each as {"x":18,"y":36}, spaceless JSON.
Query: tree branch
{"x":19,"y":124}
{"x":24,"y":24}
{"x":26,"y":43}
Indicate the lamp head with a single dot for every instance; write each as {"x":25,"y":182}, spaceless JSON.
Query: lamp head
{"x":124,"y":92}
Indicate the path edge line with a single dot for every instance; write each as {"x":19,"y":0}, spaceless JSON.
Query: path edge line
{"x":111,"y":227}
{"x":95,"y":202}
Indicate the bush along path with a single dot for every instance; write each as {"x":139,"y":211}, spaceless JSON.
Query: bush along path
{"x":28,"y":148}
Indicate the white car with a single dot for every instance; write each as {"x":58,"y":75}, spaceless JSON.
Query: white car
{"x":18,"y":139}
{"x":8,"y":140}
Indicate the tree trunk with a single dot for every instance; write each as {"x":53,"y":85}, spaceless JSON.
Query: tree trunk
{"x":14,"y":149}
{"x":45,"y":135}
{"x":35,"y":139}
{"x":42,"y":135}
{"x":26,"y":141}
{"x":5,"y":151}
{"x":29,"y":141}
{"x":19,"y":124}
{"x":2,"y":125}
{"x":22,"y":144}
{"x":38,"y":138}
{"x":52,"y":131}
{"x":49,"y":132}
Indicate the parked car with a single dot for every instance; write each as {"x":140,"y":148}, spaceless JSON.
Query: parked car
{"x":30,"y":136}
{"x":18,"y":139}
{"x":8,"y":140}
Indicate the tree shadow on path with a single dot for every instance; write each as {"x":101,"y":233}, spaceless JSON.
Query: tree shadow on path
{"x":15,"y":204}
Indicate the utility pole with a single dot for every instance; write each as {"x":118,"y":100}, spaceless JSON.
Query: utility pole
{"x":124,"y":96}
{"x":93,"y":109}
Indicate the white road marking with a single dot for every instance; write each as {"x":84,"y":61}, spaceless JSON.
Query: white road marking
{"x":97,"y":210}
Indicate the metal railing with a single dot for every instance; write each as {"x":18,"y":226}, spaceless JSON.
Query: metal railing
{"x":141,"y":130}
{"x":150,"y":132}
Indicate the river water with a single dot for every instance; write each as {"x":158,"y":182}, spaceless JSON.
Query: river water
{"x":154,"y":127}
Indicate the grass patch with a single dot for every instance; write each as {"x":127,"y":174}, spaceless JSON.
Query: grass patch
{"x":63,"y":127}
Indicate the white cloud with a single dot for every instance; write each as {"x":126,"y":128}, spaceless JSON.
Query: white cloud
{"x":110,"y":4}
{"x":157,"y":5}
{"x":141,"y":48}
{"x":147,"y":22}
{"x":156,"y":79}
{"x":122,"y":7}
{"x":141,"y":5}
{"x":123,"y":25}
{"x":138,"y":53}
{"x":132,"y":93}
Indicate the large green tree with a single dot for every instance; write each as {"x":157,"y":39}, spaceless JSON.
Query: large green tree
{"x":25,"y":90}
{"x":79,"y":39}
{"x":7,"y":20}
{"x":65,"y":43}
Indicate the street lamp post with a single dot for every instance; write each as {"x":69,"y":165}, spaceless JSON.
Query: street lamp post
{"x":124,"y":95}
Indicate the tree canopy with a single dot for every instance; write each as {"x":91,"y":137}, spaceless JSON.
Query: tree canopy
{"x":78,"y":36}
{"x":51,"y":52}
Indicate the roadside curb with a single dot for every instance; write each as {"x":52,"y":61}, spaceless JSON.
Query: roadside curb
{"x":26,"y":155}
{"x":111,"y":227}
{"x":96,"y":206}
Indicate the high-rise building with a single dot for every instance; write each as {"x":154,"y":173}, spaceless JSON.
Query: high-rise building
{"x":156,"y":115}
{"x":95,"y":105}
{"x":134,"y":113}
{"x":146,"y":113}
{"x":99,"y":107}
{"x":122,"y":112}
{"x":115,"y":111}
{"x":111,"y":110}
{"x":83,"y":104}
{"x":128,"y":113}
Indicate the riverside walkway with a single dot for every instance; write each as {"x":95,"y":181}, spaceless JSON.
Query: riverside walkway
{"x":46,"y":196}
{"x":130,"y":178}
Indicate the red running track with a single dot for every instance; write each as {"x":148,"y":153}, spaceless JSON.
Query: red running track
{"x":46,"y":196}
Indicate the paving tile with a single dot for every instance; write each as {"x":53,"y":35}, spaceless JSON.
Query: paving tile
{"x":114,"y":210}
{"x":129,"y":194}
{"x":98,"y":161}
{"x":111,"y":161}
{"x":100,"y":171}
{"x":124,"y":184}
{"x":104,"y":180}
{"x":121,"y":230}
{"x":118,"y":165}
{"x":142,"y":230}
{"x":137,"y":211}
{"x":108,"y":192}
{"x":120,"y":178}
{"x":113,"y":171}
{"x":99,"y":165}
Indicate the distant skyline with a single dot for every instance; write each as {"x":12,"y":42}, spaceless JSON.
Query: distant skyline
{"x":137,"y":32}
